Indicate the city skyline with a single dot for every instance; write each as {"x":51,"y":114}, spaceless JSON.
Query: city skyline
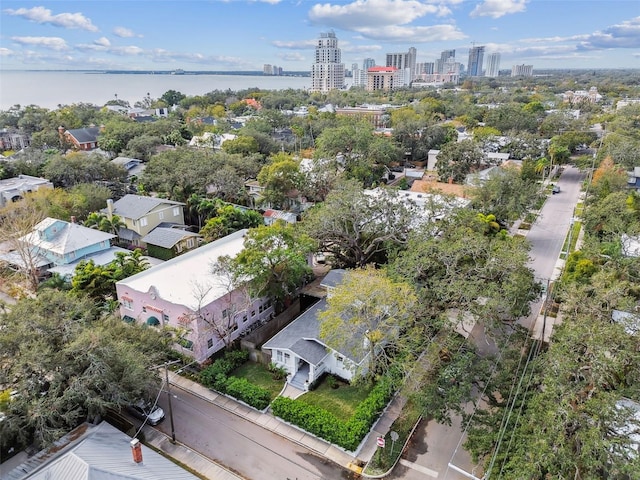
{"x":244,"y":35}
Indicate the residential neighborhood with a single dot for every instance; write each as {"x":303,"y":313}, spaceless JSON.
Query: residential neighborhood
{"x":344,"y":274}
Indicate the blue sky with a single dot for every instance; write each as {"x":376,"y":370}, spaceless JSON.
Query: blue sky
{"x":245,"y":34}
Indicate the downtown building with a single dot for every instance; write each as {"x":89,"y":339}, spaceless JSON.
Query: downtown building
{"x":476,"y":60}
{"x":522,"y":71}
{"x":493,"y":65}
{"x":405,"y":63}
{"x":327,"y":72}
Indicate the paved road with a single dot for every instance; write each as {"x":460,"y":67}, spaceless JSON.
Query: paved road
{"x":241,"y":446}
{"x":433,"y":444}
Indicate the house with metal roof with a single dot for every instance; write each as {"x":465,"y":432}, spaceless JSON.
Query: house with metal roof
{"x":57,"y":246}
{"x":299,"y":350}
{"x":142,"y":214}
{"x":98,"y":452}
{"x":187,"y":294}
{"x":14,"y":189}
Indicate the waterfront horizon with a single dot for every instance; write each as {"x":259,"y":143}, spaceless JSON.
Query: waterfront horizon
{"x":52,"y":88}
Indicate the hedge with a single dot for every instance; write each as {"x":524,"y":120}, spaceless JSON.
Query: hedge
{"x":254,"y":395}
{"x":216,"y":376}
{"x":325,"y":425}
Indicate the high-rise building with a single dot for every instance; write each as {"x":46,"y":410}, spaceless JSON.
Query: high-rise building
{"x":444,"y":57}
{"x":368,"y":63}
{"x":383,"y":78}
{"x":476,"y":58}
{"x":327,"y":73}
{"x":404,"y":61}
{"x":425,"y":68}
{"x":267,"y":69}
{"x":493,"y":65}
{"x":522,"y":70}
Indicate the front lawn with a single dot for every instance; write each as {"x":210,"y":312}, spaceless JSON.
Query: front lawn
{"x":341,"y":401}
{"x":258,"y":374}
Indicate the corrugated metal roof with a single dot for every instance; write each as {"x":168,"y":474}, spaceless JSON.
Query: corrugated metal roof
{"x":102,"y":453}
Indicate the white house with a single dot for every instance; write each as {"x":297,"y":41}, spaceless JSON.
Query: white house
{"x":299,"y":349}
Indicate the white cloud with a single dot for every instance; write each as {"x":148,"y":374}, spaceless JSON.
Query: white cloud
{"x":498,"y":8}
{"x":130,"y":50}
{"x":53,"y":43}
{"x":5,"y":52}
{"x":123,"y":32}
{"x":416,"y":34}
{"x":43,"y":15}
{"x":102,"y":42}
{"x":362,"y":14}
{"x":623,"y":35}
{"x":291,"y":57}
{"x":361,"y":48}
{"x":295,"y":45}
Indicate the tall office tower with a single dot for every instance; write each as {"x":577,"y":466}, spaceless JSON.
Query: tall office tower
{"x":403,"y":61}
{"x":424,"y":68}
{"x":327,"y":73}
{"x":476,"y":58}
{"x":267,"y":69}
{"x":368,"y":63}
{"x":444,"y":56}
{"x":493,"y":65}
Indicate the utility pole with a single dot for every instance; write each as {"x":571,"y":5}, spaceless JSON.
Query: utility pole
{"x":166,"y":379}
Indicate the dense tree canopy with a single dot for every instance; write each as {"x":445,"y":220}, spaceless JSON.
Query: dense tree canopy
{"x":68,"y":366}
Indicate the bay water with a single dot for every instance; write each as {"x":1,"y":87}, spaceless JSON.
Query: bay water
{"x":49,"y":89}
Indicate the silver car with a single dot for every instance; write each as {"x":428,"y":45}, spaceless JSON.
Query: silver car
{"x":146,"y":411}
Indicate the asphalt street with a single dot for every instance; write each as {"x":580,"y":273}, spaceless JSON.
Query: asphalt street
{"x":243,"y":447}
{"x":434,"y":446}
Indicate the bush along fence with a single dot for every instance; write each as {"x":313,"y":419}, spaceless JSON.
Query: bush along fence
{"x":216,"y":376}
{"x":325,"y":425}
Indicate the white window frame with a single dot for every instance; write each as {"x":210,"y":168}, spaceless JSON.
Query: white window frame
{"x":176,"y":211}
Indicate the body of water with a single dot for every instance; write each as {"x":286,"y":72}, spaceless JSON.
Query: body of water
{"x":50,"y":89}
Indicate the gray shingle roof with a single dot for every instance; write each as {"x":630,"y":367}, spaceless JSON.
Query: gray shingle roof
{"x":333,"y":278}
{"x":167,"y":237}
{"x":137,"y":206}
{"x":85,"y":135}
{"x":302,"y":337}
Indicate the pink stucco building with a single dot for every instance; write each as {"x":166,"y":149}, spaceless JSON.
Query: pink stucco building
{"x":206,"y":311}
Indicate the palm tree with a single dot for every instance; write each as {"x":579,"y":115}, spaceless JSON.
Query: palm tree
{"x":541,"y":166}
{"x":102,"y":222}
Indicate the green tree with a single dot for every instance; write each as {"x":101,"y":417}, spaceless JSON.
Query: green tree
{"x":102,"y":222}
{"x":366,"y":316}
{"x":274,"y":259}
{"x":281,"y":178}
{"x":357,"y":228}
{"x":68,"y":366}
{"x":243,"y":144}
{"x":457,"y":159}
{"x":229,"y":219}
{"x":98,"y":282}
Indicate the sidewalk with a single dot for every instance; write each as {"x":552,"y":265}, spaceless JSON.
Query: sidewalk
{"x":292,"y":433}
{"x":183,"y":454}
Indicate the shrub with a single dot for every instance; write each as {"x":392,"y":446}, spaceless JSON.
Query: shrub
{"x":326,"y":425}
{"x":249,"y":393}
{"x":278,"y":373}
{"x":210,"y":376}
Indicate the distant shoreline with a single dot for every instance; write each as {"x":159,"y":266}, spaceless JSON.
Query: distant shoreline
{"x":252,"y":73}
